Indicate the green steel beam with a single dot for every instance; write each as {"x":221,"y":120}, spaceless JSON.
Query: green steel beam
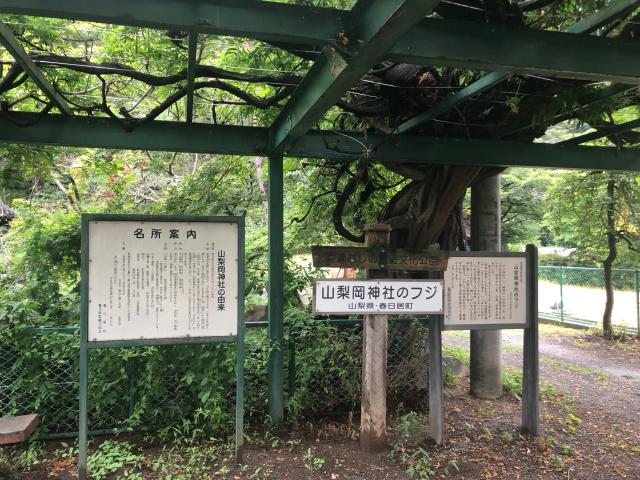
{"x":475,"y":45}
{"x":374,"y":27}
{"x":275,"y":387}
{"x":587,"y":100}
{"x":455,"y":151}
{"x":347,"y":146}
{"x":603,"y":17}
{"x":104,"y":132}
{"x":602,"y":132}
{"x":433,"y":42}
{"x":270,"y":21}
{"x":15,"y":49}
{"x":191,"y":73}
{"x":485,"y":83}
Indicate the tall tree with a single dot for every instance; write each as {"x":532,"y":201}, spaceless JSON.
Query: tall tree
{"x":597,"y":212}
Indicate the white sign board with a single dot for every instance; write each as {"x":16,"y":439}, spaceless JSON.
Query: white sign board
{"x":393,"y":297}
{"x":485,"y":291}
{"x":162,"y":279}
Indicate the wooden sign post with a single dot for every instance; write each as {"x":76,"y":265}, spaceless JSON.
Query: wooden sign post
{"x":378,"y":261}
{"x":373,"y":406}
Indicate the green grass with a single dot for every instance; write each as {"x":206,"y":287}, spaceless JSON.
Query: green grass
{"x":460,"y":353}
{"x":512,"y":381}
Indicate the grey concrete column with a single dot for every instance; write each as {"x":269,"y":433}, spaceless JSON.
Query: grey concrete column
{"x":486,"y":345}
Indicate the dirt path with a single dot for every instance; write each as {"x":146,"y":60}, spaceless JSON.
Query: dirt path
{"x":602,"y":385}
{"x":587,"y":372}
{"x":558,"y":347}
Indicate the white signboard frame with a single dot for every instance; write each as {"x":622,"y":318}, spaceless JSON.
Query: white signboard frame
{"x":147,"y":283}
{"x":486,"y":290}
{"x":377,"y":296}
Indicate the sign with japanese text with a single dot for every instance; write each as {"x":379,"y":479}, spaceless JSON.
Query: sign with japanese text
{"x":393,"y":297}
{"x":162,"y":279}
{"x":485,"y":291}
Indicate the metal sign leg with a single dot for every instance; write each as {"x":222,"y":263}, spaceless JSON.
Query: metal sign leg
{"x":82,"y":427}
{"x":436,"y":411}
{"x":530,"y":380}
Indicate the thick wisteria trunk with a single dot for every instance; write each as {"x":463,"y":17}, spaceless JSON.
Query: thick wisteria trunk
{"x":428,"y":210}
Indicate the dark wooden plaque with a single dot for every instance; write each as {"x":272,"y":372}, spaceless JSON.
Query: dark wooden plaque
{"x":380,"y":258}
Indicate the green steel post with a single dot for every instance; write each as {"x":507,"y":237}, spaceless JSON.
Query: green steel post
{"x":436,"y":411}
{"x":240,"y":348}
{"x":84,"y":354}
{"x":82,"y":426}
{"x":191,"y":73}
{"x":561,"y":294}
{"x":276,"y":290}
{"x":638,"y":299}
{"x":530,"y":350}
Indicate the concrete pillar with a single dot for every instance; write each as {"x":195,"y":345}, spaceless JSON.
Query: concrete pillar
{"x":486,"y":345}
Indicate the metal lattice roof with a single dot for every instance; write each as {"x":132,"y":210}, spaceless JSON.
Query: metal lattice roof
{"x":133,"y":103}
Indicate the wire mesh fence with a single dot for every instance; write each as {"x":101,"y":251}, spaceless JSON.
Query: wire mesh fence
{"x":152,"y":387}
{"x":133,"y":389}
{"x":333,"y":386}
{"x":143,"y":388}
{"x":576,"y":295}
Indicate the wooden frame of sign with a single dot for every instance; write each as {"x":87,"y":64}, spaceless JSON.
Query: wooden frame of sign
{"x":487,"y":291}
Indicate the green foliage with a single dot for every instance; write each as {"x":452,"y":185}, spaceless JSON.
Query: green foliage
{"x":460,"y":353}
{"x":512,"y":382}
{"x":576,"y":213}
{"x":112,"y":457}
{"x":313,"y":463}
{"x":523,"y":198}
{"x":408,"y":426}
{"x":39,"y":282}
{"x":417,"y":461}
{"x":187,"y":460}
{"x":326,"y":361}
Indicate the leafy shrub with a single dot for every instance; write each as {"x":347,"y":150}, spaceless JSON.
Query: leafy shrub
{"x":409,"y":425}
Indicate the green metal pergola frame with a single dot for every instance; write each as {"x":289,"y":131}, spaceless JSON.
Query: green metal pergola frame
{"x":348,"y":43}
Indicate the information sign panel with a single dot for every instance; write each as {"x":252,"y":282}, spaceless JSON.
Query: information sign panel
{"x":392,"y":297}
{"x":162,"y":279}
{"x":486,"y":291}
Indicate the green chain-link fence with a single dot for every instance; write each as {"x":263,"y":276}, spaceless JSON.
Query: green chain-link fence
{"x":129,"y":389}
{"x":576,"y":295}
{"x":335,"y":388}
{"x":144,"y":388}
